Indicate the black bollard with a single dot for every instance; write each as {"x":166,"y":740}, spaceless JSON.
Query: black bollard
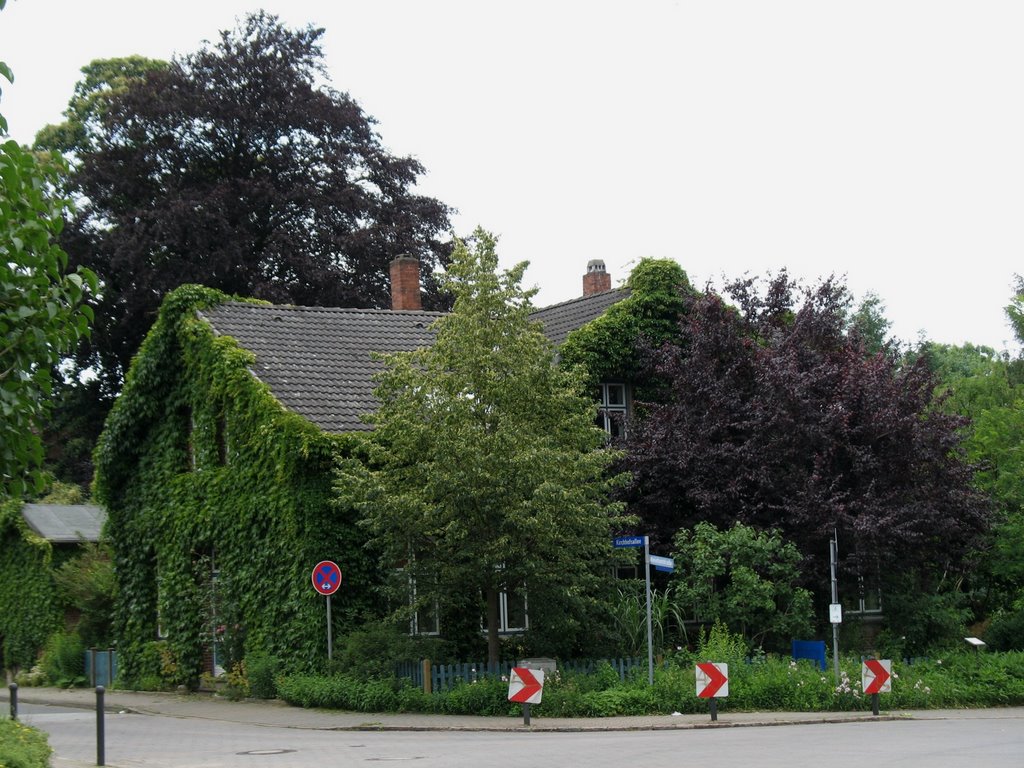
{"x":100,"y":745}
{"x":13,"y":688}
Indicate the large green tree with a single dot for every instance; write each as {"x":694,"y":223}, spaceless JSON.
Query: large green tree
{"x":236,"y":167}
{"x":41,"y":305}
{"x":987,"y":388}
{"x":102,"y":81}
{"x":1015,"y":309}
{"x":487,"y":472}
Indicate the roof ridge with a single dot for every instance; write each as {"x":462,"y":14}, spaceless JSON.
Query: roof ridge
{"x":622,"y":288}
{"x":346,"y":310}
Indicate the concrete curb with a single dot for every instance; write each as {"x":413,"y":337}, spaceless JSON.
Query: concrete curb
{"x":279,"y":714}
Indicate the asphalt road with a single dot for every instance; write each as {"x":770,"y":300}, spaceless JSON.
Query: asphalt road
{"x":152,"y":741}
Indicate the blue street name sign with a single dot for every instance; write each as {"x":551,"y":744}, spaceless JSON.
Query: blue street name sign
{"x":665,"y":564}
{"x":628,"y":541}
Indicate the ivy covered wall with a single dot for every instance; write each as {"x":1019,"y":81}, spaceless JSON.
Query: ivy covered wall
{"x":201,"y":470}
{"x":29,"y":609}
{"x":611,"y":347}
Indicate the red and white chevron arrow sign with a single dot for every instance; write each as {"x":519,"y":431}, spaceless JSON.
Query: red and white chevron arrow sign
{"x":712,"y":680}
{"x":526,"y":686}
{"x":876,"y":676}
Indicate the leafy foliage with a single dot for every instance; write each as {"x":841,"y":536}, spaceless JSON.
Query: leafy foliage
{"x":237,"y":168}
{"x":629,"y":613}
{"x":1015,"y":310}
{"x":776,"y":418}
{"x":87,"y":584}
{"x":612,"y":347}
{"x":261,"y":672}
{"x":63,"y":659}
{"x":181,"y":503}
{"x":102,"y":81}
{"x":22,"y":746}
{"x":42,"y":310}
{"x":29,"y":610}
{"x":870,"y":324}
{"x":486,"y":471}
{"x":764,"y":683}
{"x":988,"y":388}
{"x":745,"y":579}
{"x":1006,"y":630}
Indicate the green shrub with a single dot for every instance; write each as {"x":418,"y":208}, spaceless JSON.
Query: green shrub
{"x":87,"y":583}
{"x":22,"y":746}
{"x":63,"y":660}
{"x":261,"y":671}
{"x":1006,"y":631}
{"x":31,"y":677}
{"x":488,"y":696}
{"x":720,"y":645}
{"x":157,"y":669}
{"x":767,"y":683}
{"x":237,"y":687}
{"x":375,"y":649}
{"x":923,"y":623}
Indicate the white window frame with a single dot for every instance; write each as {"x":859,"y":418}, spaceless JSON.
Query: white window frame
{"x":612,"y":409}
{"x":504,"y":622}
{"x":860,"y":604}
{"x":417,"y":619}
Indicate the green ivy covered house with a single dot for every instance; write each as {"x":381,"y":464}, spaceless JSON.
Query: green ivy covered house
{"x":215,"y":468}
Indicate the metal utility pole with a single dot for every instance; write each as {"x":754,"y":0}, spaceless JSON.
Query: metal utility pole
{"x":834,"y":609}
{"x":650,"y":633}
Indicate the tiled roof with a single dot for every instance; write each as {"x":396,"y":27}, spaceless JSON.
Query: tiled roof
{"x":560,"y":319}
{"x":65,"y":523}
{"x":318,"y":363}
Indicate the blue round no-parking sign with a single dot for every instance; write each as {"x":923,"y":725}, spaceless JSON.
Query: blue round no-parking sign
{"x":326,"y":577}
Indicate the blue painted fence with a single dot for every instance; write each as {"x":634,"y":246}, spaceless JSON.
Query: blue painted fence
{"x":101,"y":667}
{"x":446,"y":676}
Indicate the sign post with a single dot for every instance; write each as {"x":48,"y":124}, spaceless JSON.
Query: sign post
{"x":650,"y":630}
{"x":665,"y":564}
{"x":835,"y":616}
{"x":876,"y":678}
{"x":712,"y":682}
{"x":326,"y":579}
{"x":526,"y":687}
{"x":636,"y":542}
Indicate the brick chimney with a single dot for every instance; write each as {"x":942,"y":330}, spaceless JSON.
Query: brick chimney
{"x":596,"y":280}
{"x":405,"y":283}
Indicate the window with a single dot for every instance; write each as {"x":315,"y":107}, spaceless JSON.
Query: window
{"x":611,"y":412}
{"x":221,"y":438}
{"x":863,"y":599}
{"x":188,"y":431}
{"x":425,"y":618}
{"x":512,"y":605}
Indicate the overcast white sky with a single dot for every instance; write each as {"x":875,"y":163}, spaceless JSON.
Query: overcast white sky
{"x":878,"y":140}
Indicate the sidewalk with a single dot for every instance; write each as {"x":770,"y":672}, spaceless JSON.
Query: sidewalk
{"x":277,"y":713}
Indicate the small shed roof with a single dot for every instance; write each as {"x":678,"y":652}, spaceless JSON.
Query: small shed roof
{"x":65,"y":523}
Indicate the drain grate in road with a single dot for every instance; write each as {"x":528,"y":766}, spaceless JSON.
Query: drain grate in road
{"x":266,"y":752}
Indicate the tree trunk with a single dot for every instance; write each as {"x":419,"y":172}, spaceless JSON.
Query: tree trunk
{"x":493,"y":619}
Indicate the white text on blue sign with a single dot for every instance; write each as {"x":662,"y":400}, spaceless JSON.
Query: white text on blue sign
{"x":628,"y":541}
{"x":662,"y":563}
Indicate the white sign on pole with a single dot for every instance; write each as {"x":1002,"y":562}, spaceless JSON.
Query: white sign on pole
{"x":835,"y":613}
